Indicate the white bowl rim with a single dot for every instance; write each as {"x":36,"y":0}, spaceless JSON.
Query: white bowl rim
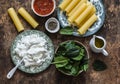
{"x":54,"y":6}
{"x":54,"y":20}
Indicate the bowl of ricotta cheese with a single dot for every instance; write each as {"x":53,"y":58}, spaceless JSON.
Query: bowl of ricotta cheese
{"x":36,"y":48}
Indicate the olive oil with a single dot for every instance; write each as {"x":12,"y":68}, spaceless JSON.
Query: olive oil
{"x":99,"y":43}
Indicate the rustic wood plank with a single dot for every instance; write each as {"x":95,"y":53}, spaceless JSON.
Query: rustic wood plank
{"x":110,"y":31}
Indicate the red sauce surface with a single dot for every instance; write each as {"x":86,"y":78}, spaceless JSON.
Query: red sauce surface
{"x":43,"y":7}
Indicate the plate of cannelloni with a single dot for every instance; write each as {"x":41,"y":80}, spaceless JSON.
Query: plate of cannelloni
{"x":86,"y":17}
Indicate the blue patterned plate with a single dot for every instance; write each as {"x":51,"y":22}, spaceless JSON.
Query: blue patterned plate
{"x":100,"y":12}
{"x":32,"y":69}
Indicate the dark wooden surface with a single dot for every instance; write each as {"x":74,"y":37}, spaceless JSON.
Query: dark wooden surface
{"x":110,"y":31}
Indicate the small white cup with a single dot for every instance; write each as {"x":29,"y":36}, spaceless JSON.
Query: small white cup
{"x":96,"y":49}
{"x":56,"y":29}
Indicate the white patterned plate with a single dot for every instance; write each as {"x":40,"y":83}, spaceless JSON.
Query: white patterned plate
{"x":32,"y":69}
{"x":100,"y":12}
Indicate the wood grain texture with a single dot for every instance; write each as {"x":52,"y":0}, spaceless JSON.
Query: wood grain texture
{"x":110,"y":31}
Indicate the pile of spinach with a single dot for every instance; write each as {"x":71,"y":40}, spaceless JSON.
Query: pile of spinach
{"x":70,"y":58}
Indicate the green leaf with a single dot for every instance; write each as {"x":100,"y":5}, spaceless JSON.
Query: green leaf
{"x":84,"y":60}
{"x":99,"y":65}
{"x":67,"y":31}
{"x":68,"y":66}
{"x":71,"y":48}
{"x":74,"y":70}
{"x":78,"y":58}
{"x":72,"y":52}
{"x":85,"y":67}
{"x":60,"y":61}
{"x":61,"y":51}
{"x":69,"y":45}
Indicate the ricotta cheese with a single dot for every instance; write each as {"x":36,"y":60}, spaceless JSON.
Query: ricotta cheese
{"x":33,"y":49}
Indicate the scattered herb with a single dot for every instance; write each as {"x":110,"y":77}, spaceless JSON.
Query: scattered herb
{"x":70,"y":58}
{"x":99,"y":65}
{"x":67,"y":31}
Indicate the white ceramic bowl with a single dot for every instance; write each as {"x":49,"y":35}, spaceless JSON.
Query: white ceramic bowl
{"x":56,"y":29}
{"x":54,"y":6}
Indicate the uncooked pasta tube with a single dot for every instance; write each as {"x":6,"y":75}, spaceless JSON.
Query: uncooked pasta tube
{"x":82,"y":30}
{"x":80,"y":9}
{"x":76,"y":7}
{"x":91,"y":13}
{"x":71,"y":5}
{"x":84,"y":15}
{"x":64,"y":4}
{"x":15,"y":19}
{"x":28,"y":17}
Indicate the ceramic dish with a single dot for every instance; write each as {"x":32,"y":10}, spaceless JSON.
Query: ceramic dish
{"x":44,"y":5}
{"x":96,"y":26}
{"x":32,"y":69}
{"x":85,"y":57}
{"x":53,"y":21}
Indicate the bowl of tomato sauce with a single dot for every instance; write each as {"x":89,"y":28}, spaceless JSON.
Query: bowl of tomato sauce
{"x":43,"y":8}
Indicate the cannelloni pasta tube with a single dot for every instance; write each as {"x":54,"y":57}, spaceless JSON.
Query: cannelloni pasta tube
{"x":85,"y":13}
{"x":71,"y":5}
{"x":76,"y":7}
{"x":28,"y":17}
{"x":87,"y":24}
{"x":64,"y":4}
{"x":15,"y":19}
{"x":81,"y":8}
{"x":91,"y":13}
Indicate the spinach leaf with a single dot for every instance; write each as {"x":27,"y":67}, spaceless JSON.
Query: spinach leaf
{"x":72,"y":52}
{"x":82,"y":50}
{"x":61,"y":51}
{"x":84,"y":61}
{"x":78,"y":58}
{"x":67,"y":31}
{"x":84,"y":67}
{"x":69,"y":45}
{"x":68,"y":66}
{"x":60,"y":61}
{"x":72,"y":49}
{"x":99,"y":65}
{"x":75,"y":68}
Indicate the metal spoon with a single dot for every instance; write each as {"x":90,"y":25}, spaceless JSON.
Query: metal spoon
{"x":12,"y":71}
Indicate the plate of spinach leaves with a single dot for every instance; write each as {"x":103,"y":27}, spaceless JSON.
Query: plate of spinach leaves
{"x":71,"y":58}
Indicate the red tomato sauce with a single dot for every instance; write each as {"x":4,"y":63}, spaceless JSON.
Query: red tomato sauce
{"x":43,"y":7}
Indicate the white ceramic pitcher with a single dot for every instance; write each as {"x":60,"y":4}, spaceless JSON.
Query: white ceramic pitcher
{"x":96,"y":49}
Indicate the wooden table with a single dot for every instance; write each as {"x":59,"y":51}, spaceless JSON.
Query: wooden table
{"x":110,"y":31}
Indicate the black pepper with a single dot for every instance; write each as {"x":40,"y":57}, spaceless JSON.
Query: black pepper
{"x":52,"y":25}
